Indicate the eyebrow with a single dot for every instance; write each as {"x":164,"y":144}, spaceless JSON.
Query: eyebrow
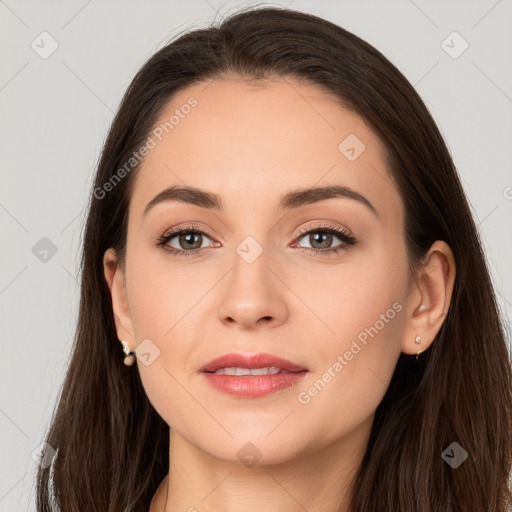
{"x":290,"y":200}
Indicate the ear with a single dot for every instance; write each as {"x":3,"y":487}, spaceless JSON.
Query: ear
{"x":114,"y":275}
{"x":429,"y":299}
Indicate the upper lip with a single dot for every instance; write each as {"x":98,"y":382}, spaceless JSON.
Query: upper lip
{"x":253,"y":361}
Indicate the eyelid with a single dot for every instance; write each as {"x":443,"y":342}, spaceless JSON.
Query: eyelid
{"x":324,"y":225}
{"x":187,"y":227}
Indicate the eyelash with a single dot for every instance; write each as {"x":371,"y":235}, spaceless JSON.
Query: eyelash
{"x":346,"y":238}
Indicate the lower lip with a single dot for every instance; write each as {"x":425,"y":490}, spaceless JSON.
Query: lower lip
{"x":255,"y":385}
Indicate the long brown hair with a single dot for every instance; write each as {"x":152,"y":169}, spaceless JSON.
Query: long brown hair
{"x":113,"y":447}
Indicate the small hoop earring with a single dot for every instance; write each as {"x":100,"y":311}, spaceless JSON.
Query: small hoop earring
{"x":129,"y":358}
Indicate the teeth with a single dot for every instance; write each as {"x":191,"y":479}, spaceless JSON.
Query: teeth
{"x":271,"y":370}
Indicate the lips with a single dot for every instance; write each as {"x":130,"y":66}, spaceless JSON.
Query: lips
{"x":237,"y":375}
{"x":255,"y":361}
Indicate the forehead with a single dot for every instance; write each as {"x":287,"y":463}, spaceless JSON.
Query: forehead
{"x":250,"y":142}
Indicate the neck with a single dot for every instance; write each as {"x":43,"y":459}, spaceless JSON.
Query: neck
{"x":316,"y":480}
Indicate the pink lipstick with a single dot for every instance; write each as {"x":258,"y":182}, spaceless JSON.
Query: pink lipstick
{"x":252,"y":376}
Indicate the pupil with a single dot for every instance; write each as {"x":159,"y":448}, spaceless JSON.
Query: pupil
{"x":189,"y":238}
{"x":315,"y":237}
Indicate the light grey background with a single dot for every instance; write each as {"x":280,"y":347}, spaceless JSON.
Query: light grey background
{"x":55,"y":112}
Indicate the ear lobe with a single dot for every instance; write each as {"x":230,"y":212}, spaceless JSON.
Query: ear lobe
{"x":429,"y":302}
{"x":114,"y":275}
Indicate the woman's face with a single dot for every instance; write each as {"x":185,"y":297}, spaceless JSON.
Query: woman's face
{"x":256,"y":273}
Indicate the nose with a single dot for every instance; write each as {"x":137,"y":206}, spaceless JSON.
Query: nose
{"x":253,"y":295}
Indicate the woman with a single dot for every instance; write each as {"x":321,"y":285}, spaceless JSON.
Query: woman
{"x":278,"y":237}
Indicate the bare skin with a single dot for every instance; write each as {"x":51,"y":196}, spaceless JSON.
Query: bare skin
{"x":250,"y":144}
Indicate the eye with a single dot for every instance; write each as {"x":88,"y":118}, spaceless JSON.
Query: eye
{"x":188,"y":241}
{"x":322,"y":237}
{"x":185,"y":241}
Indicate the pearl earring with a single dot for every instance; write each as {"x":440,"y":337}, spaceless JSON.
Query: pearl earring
{"x":418,"y":341}
{"x":129,"y":358}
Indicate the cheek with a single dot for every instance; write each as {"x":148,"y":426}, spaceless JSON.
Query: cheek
{"x":358,"y":337}
{"x":161,"y":295}
{"x":161,"y":302}
{"x":345,"y":301}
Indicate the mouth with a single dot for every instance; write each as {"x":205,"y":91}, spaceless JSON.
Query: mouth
{"x":247,"y":372}
{"x":252,"y":376}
